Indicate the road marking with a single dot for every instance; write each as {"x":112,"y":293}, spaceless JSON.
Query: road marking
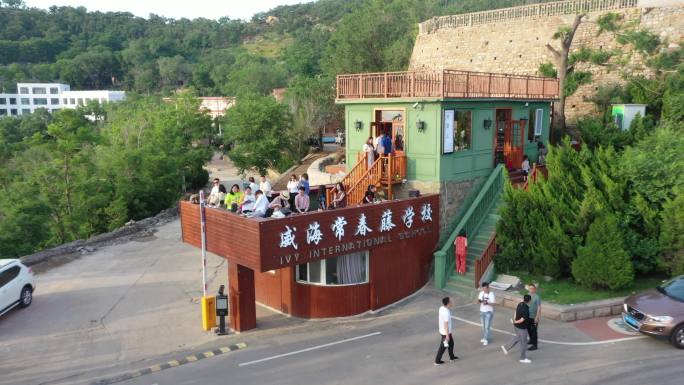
{"x":170,"y":364}
{"x":556,"y":342}
{"x":309,"y":349}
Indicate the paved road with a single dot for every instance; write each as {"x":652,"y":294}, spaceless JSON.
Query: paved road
{"x":398,"y":348}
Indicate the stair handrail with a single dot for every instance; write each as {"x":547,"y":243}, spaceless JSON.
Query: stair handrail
{"x":374,"y":171}
{"x":483,"y":261}
{"x":348,"y":179}
{"x":470,"y":222}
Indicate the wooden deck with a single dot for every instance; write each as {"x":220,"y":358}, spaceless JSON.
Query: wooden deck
{"x":445,"y":84}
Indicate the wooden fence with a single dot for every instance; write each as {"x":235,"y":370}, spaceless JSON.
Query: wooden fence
{"x":445,"y":84}
{"x":532,"y":11}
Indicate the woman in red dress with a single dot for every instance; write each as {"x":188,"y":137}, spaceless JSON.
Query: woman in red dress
{"x":461,"y":247}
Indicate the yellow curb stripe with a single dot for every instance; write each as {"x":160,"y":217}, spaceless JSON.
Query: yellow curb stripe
{"x":225,"y":350}
{"x":208,"y":354}
{"x":191,"y":358}
{"x":155,"y":368}
{"x":241,"y":345}
{"x":173,"y":363}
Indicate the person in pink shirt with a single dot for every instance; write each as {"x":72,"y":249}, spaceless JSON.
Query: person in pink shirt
{"x":301,"y":201}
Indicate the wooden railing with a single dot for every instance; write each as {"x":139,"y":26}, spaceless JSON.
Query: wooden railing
{"x":483,"y":261}
{"x":532,"y":11}
{"x":445,"y":84}
{"x":470,"y":223}
{"x":385,"y":170}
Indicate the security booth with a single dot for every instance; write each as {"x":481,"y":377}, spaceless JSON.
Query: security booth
{"x":321,"y":264}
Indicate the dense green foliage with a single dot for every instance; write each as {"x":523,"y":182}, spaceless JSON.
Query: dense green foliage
{"x":603,"y":261}
{"x":633,"y":179}
{"x":64,"y":177}
{"x":215,"y":57}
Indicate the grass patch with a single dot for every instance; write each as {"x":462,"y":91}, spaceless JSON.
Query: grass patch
{"x":565,"y":291}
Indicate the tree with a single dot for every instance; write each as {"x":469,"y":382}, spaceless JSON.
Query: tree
{"x":258,"y":126}
{"x":311,"y":102}
{"x":672,"y":234}
{"x":565,"y":35}
{"x":603,"y":261}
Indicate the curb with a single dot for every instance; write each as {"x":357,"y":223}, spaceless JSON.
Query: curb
{"x":170,"y":364}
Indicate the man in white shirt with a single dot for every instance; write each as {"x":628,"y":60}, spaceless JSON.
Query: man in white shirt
{"x":265,"y":187}
{"x":444,"y":327}
{"x":248,"y":202}
{"x":486,"y":300}
{"x":261,"y":204}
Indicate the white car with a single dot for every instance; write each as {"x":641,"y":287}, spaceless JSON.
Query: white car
{"x":17,"y":284}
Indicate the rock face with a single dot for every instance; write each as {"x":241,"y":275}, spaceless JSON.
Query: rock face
{"x":514,"y":41}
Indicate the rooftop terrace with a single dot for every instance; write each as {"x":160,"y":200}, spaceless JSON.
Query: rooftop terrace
{"x":445,"y":84}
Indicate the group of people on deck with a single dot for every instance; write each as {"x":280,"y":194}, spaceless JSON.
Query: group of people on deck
{"x":259,"y":200}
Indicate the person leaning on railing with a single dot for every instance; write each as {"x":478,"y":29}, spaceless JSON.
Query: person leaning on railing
{"x":301,"y":201}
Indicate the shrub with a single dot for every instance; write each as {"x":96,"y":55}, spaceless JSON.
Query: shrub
{"x":672,"y":234}
{"x":603,"y":261}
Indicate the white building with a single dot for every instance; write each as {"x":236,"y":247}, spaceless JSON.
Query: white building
{"x":51,"y":96}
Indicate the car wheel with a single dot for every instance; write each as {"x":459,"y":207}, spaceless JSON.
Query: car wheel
{"x":678,"y":337}
{"x":26,"y":296}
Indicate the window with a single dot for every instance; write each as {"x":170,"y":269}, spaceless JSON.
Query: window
{"x":54,"y":110}
{"x":40,"y":101}
{"x":349,"y":269}
{"x":538,"y":122}
{"x":64,"y":101}
{"x":54,"y":90}
{"x":12,"y":100}
{"x":72,"y":101}
{"x":25,"y":111}
{"x":23,"y":90}
{"x":3,"y":101}
{"x":38,"y":91}
{"x":13,"y":112}
{"x":80,"y":101}
{"x":3,"y":112}
{"x":54,"y":101}
{"x":462,"y":130}
{"x":8,"y":275}
{"x":25,"y":101}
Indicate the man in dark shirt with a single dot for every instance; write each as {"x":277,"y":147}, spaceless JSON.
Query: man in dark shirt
{"x":521,"y":320}
{"x":386,"y":143}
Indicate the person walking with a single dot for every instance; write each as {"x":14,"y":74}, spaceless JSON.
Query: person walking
{"x":520,"y":320}
{"x":535,"y":316}
{"x":444,"y":327}
{"x":486,"y":299}
{"x":386,"y":143}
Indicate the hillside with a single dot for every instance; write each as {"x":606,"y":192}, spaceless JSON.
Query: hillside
{"x":227,"y":57}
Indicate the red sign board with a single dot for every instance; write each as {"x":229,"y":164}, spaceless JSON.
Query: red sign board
{"x":326,"y":234}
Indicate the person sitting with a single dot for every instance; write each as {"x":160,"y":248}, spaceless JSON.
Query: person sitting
{"x":370,"y":194}
{"x":253,"y":185}
{"x":234,"y":198}
{"x":322,"y":204}
{"x":214,"y":198}
{"x":280,"y":203}
{"x":247,"y":205}
{"x":260,"y":205}
{"x":222,"y":194}
{"x":339,"y":197}
{"x":302,"y":201}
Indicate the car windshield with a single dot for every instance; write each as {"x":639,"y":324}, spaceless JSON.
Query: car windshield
{"x":674,"y":288}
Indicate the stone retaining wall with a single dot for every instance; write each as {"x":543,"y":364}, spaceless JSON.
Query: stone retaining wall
{"x":518,"y":46}
{"x":592,"y":309}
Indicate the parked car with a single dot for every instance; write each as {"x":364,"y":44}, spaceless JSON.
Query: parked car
{"x":658,"y":312}
{"x":17,"y":284}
